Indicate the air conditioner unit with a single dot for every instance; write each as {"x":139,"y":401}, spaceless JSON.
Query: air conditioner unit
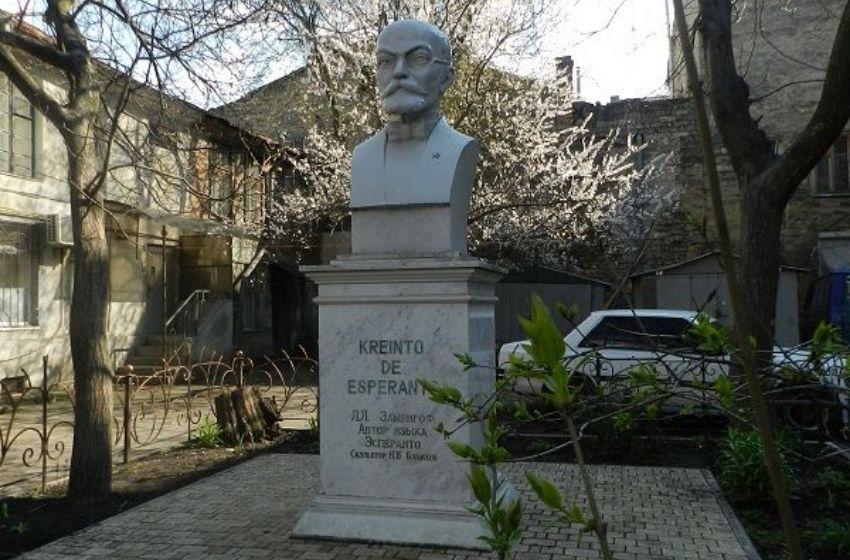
{"x":59,"y":232}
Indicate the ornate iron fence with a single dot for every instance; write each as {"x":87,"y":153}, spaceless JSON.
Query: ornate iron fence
{"x":167,"y":403}
{"x":34,"y":436}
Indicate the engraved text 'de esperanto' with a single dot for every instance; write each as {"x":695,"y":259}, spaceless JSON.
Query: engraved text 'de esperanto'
{"x":383,"y":434}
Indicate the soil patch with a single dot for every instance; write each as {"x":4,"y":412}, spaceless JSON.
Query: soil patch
{"x":29,"y":522}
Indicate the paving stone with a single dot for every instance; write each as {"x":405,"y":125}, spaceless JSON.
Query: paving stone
{"x":249,"y":510}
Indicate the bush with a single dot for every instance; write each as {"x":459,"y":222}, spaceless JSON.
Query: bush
{"x":834,"y":483}
{"x":742,"y":471}
{"x":833,"y":538}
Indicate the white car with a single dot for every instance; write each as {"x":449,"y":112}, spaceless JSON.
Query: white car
{"x":621,"y":339}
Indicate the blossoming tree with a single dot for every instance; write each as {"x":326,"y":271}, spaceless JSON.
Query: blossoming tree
{"x":546,"y":182}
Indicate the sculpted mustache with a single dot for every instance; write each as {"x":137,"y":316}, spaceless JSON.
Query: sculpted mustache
{"x":410,"y":87}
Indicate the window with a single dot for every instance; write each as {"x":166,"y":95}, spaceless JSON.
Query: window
{"x":831,"y":174}
{"x":18,"y":275}
{"x":643,"y":333}
{"x":220,"y":184}
{"x":17,"y":131}
{"x":252,"y":186}
{"x":288,"y":180}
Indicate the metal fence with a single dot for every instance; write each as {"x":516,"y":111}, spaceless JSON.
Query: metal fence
{"x":152,"y":410}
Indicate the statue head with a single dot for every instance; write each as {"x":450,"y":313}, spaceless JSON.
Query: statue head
{"x":414,"y":68}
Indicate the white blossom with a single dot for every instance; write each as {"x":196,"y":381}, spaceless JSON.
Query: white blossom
{"x":546,"y":183}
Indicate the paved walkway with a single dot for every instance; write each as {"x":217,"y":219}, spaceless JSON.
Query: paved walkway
{"x":249,"y":510}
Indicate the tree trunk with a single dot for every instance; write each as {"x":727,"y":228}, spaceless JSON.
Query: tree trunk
{"x":761,"y":222}
{"x":91,"y":458}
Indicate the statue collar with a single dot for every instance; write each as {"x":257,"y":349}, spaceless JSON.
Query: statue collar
{"x":417,"y":130}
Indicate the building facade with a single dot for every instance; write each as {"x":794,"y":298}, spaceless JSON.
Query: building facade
{"x":781,"y":50}
{"x":186,"y":197}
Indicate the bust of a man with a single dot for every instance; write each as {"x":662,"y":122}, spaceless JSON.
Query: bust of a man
{"x":417,"y":159}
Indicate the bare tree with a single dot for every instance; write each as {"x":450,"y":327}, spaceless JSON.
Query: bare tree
{"x":105,"y":55}
{"x":767,"y":177}
{"x":767,"y":180}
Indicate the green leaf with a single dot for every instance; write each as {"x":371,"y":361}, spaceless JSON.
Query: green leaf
{"x":570,"y":313}
{"x":723,"y":385}
{"x":479,"y":483}
{"x":430,"y":388}
{"x":466,"y":360}
{"x":521,"y":411}
{"x":574,"y":515}
{"x":623,"y":421}
{"x":709,"y":336}
{"x":652,"y":411}
{"x":462,"y":450}
{"x":493,"y":454}
{"x":440,"y":428}
{"x":452,"y":393}
{"x":515,"y":514}
{"x":546,"y":342}
{"x":545,"y":490}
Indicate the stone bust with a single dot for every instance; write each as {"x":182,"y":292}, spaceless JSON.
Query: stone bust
{"x":417,"y":158}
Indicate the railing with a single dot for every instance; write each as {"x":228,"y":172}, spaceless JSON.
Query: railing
{"x":185,"y":320}
{"x":186,"y":317}
{"x":151,"y":411}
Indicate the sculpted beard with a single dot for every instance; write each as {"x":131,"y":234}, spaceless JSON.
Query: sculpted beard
{"x":403,"y":96}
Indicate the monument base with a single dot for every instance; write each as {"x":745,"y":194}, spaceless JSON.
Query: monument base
{"x":390,"y":521}
{"x":384,"y":323}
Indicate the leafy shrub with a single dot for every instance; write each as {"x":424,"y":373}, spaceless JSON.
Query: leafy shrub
{"x":709,"y":336}
{"x":540,"y":446}
{"x":743,"y":473}
{"x":833,"y":538}
{"x":209,"y":433}
{"x":834,"y":483}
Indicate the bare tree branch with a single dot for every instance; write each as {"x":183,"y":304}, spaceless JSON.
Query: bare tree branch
{"x":747,"y":144}
{"x":827,"y":122}
{"x":34,"y":47}
{"x":26,"y":83}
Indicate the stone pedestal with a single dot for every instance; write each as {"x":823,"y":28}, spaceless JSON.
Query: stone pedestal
{"x":387,"y":475}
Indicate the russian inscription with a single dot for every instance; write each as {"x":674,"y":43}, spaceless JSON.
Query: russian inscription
{"x":385,"y":434}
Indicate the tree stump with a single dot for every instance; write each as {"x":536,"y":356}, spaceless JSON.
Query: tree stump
{"x":243,"y":415}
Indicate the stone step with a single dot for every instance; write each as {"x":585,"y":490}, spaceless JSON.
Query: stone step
{"x":144,"y":361}
{"x":172,"y":340}
{"x":149,"y":351}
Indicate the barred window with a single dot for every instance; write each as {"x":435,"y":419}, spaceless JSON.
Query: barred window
{"x":17,"y":131}
{"x":831,"y":174}
{"x":18,"y":275}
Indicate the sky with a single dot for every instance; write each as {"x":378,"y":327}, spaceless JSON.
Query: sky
{"x":619,"y":46}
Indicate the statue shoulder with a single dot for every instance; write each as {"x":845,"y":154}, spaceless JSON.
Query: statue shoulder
{"x":367,"y":163}
{"x":370,"y":147}
{"x":453,"y":141}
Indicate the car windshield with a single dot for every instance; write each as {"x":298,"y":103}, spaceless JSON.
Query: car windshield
{"x":645,"y":333}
